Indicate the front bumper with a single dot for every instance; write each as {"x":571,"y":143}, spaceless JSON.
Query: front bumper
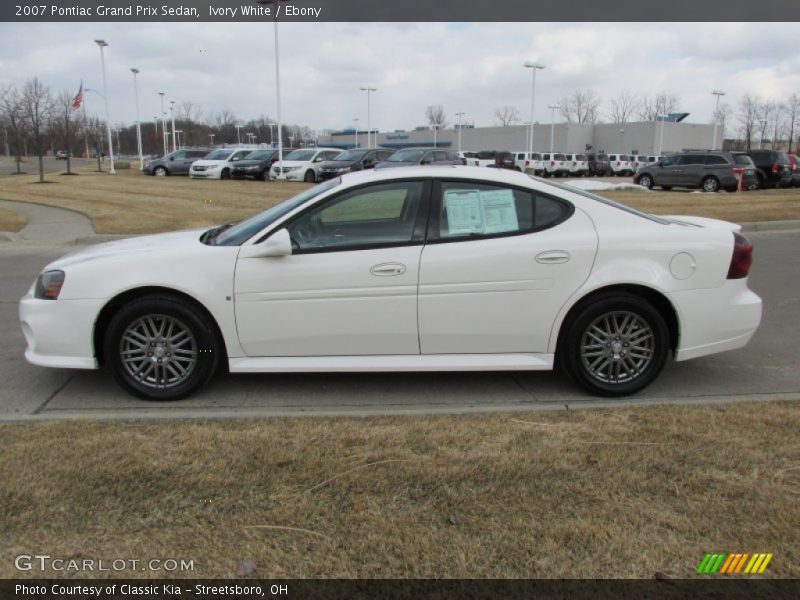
{"x":288,"y":176}
{"x":59,"y":332}
{"x":716,"y":320}
{"x":205,"y":174}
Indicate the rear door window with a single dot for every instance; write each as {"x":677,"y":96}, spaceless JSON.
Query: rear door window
{"x":691,"y":159}
{"x":715,"y":159}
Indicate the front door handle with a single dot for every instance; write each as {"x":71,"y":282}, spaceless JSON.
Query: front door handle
{"x":552,"y":257}
{"x":388,"y":269}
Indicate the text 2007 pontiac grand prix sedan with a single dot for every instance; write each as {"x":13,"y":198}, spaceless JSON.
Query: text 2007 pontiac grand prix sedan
{"x":415,"y":269}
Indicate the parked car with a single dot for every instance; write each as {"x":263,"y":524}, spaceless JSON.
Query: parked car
{"x":504,"y":160}
{"x":465,"y":156}
{"x":652,"y":159}
{"x":710,"y":171}
{"x":218,"y":164}
{"x":352,"y":160}
{"x":598,"y":164}
{"x":303,"y":164}
{"x":555,"y":164}
{"x":257,"y":164}
{"x":174,"y":163}
{"x":577,"y":164}
{"x":620,"y":165}
{"x":772,"y":167}
{"x":411,"y":157}
{"x":484,"y":158}
{"x":527,"y":161}
{"x":616,"y":291}
{"x":62,"y":155}
{"x":638,"y":161}
{"x":795,"y":160}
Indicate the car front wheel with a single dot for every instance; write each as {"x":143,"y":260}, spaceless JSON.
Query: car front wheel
{"x":646,"y":181}
{"x":615,"y":346}
{"x":711,"y":184}
{"x":160,"y":172}
{"x":161,"y":348}
{"x":310,"y":177}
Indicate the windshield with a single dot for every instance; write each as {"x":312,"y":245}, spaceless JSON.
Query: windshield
{"x":218,"y":155}
{"x":351,"y":155}
{"x":406,"y":156}
{"x":243,"y":230}
{"x":258,"y":155}
{"x":301,"y":155}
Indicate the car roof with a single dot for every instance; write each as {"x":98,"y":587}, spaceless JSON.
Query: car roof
{"x":441,"y":172}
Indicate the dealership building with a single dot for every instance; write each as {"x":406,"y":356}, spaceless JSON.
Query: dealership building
{"x":671,"y":135}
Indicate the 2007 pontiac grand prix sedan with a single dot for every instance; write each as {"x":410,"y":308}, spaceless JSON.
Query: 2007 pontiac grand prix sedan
{"x":417,"y":269}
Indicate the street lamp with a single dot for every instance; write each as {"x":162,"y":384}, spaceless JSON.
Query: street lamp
{"x":138,"y":123}
{"x":763,"y":123}
{"x":716,"y":93}
{"x":622,"y":140}
{"x":661,"y":139}
{"x":172,"y":119}
{"x":355,"y":126}
{"x":102,"y":44}
{"x":179,"y":132}
{"x":155,"y":122}
{"x":277,"y":80}
{"x":239,"y":134}
{"x":552,"y":127}
{"x":368,"y":89}
{"x":211,"y":135}
{"x":435,"y":127}
{"x":460,"y":115}
{"x":163,"y":124}
{"x":533,"y":66}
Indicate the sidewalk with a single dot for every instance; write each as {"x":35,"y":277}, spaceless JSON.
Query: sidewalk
{"x":48,"y":225}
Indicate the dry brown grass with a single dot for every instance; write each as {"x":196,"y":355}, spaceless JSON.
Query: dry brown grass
{"x":602,"y":493}
{"x":130,"y":202}
{"x":11,"y":220}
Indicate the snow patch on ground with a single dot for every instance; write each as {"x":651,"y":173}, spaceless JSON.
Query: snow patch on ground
{"x":592,"y":185}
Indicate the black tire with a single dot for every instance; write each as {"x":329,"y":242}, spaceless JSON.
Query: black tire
{"x":203,"y":347}
{"x":572,"y":345}
{"x":309,"y":177}
{"x":646,"y":180}
{"x":666,"y":188}
{"x":226,"y":174}
{"x":160,"y":171}
{"x":710,"y":184}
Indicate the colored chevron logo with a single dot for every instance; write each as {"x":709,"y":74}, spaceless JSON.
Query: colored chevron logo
{"x":734,"y":563}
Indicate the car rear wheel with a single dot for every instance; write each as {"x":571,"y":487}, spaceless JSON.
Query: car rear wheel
{"x":161,"y":348}
{"x":160,"y":172}
{"x":710,"y":184}
{"x":309,"y":177}
{"x":226,"y":174}
{"x":615,"y":346}
{"x":646,"y":181}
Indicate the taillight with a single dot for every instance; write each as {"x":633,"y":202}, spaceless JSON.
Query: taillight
{"x":776,"y":168}
{"x":527,"y":163}
{"x":742,"y":257}
{"x":552,"y":163}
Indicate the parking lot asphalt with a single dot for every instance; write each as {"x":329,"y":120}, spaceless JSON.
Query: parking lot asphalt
{"x":766,"y":369}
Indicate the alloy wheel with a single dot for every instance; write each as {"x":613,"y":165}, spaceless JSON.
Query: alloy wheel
{"x":617,"y":347}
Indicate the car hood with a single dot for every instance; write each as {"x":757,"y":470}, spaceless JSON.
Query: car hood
{"x":208,"y":163}
{"x":160,"y":242}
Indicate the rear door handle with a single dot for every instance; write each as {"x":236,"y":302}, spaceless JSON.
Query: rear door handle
{"x":552,"y":257}
{"x":388,"y":269}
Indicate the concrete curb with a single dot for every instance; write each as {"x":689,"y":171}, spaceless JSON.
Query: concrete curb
{"x":788,"y":225}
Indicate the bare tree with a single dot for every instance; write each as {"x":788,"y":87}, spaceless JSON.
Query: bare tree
{"x":792,"y":114}
{"x":37,"y":106}
{"x":778,"y":114}
{"x":748,"y":118}
{"x":650,"y":107}
{"x":623,"y":107}
{"x":13,"y":115}
{"x":507,"y":115}
{"x":767,"y":108}
{"x":721,"y":117}
{"x":581,"y":107}
{"x":435,"y":115}
{"x":65,"y":123}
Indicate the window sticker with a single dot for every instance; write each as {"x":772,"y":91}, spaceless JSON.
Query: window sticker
{"x":480,"y":212}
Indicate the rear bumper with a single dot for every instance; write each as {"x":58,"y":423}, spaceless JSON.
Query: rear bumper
{"x":59,"y":332}
{"x":716,"y":320}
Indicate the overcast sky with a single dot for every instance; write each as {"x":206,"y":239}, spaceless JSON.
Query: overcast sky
{"x":472,"y":67}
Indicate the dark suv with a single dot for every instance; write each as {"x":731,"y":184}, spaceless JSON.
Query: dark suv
{"x":707,"y":170}
{"x":773,"y":168}
{"x":598,"y":164}
{"x":352,"y":160}
{"x":257,"y":164}
{"x":175,"y":163}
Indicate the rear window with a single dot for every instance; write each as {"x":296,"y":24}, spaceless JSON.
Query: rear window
{"x":558,"y":157}
{"x":484,"y":155}
{"x":742,"y":159}
{"x":580,"y":157}
{"x":536,"y":156}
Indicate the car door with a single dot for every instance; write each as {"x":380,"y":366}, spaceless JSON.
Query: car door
{"x":666,"y":171}
{"x":179,"y":162}
{"x":689,"y":170}
{"x":350,"y":285}
{"x":499,"y":264}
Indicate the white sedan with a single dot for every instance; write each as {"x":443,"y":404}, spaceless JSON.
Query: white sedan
{"x":416,"y":269}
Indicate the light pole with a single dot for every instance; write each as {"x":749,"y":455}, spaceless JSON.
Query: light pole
{"x":155,"y":122}
{"x":102,"y":44}
{"x":368,"y":89}
{"x":179,"y":132}
{"x":119,"y":146}
{"x":172,"y":119}
{"x":272,"y":135}
{"x":435,"y":129}
{"x":552,"y":128}
{"x":460,"y":115}
{"x":211,"y":135}
{"x":277,"y":80}
{"x":239,"y":134}
{"x":163,"y":124}
{"x":355,"y":126}
{"x":622,"y":140}
{"x":533,"y":66}
{"x":138,"y":123}
{"x":763,"y":123}
{"x":661,"y":139}
{"x":716,"y":93}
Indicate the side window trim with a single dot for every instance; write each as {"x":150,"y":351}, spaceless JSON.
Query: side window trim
{"x":420,"y":224}
{"x":435,"y":210}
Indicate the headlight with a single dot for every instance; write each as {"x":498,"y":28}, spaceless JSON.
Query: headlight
{"x":294,"y":168}
{"x":48,"y":285}
{"x":212,"y":167}
{"x":252,"y":168}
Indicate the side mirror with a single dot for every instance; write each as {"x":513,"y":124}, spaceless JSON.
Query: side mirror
{"x":277,"y":245}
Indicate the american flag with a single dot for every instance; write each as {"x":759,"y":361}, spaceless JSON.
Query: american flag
{"x":78,"y":100}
